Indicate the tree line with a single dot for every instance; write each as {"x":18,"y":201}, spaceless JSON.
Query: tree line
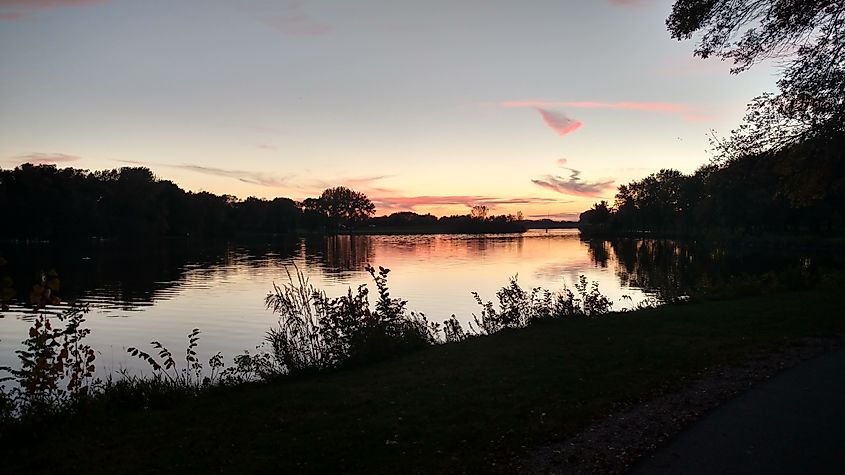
{"x":46,"y":202}
{"x":796,"y":190}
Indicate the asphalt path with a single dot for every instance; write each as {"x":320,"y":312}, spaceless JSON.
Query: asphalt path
{"x":794,"y":423}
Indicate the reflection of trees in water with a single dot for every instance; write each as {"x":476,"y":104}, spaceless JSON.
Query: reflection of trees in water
{"x":344,"y":254}
{"x":663,"y":266}
{"x":477,"y":245}
{"x":129,"y":276}
{"x":480,"y":245}
{"x":340,"y":254}
{"x":676,"y":268}
{"x":599,"y":251}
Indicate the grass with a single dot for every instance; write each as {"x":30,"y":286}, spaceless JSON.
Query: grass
{"x":464,"y":407}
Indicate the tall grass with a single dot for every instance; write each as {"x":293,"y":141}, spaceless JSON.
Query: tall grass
{"x":316,"y":333}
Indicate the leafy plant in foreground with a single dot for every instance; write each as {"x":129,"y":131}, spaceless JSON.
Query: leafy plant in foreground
{"x":316,"y":332}
{"x":189,"y":376}
{"x":519,"y":308}
{"x":56,"y":366}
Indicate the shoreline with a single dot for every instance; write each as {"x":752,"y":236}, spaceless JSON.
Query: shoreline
{"x":488,"y":400}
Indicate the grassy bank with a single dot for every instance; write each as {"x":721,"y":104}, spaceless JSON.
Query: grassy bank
{"x":459,"y":407}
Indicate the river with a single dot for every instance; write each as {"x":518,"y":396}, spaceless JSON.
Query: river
{"x":160,"y":291}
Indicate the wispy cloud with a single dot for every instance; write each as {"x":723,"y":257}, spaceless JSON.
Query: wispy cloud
{"x":402,"y":203}
{"x":561,"y":162}
{"x":573,"y":185}
{"x":19,"y":9}
{"x":559,"y":122}
{"x":46,"y":158}
{"x":682,"y":110}
{"x":365,"y":184}
{"x":255,"y":178}
{"x":290,"y":18}
{"x":363,"y":180}
{"x":520,"y":201}
{"x":245,"y":176}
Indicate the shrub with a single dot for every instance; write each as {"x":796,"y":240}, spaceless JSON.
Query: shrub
{"x":56,"y":365}
{"x":519,"y":308}
{"x":316,"y":332}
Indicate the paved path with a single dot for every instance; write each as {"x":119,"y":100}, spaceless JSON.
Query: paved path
{"x":793,"y":423}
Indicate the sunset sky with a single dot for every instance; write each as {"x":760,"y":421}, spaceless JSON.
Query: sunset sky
{"x":538,"y":106}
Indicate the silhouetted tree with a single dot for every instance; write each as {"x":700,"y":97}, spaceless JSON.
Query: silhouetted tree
{"x":479,"y":212}
{"x":405,"y":219}
{"x":344,"y":207}
{"x":46,"y":202}
{"x":807,"y":35}
{"x":597,"y":216}
{"x":761,"y":193}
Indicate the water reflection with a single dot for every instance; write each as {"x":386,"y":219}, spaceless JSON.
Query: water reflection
{"x":671,"y":268}
{"x":165,"y":289}
{"x":339,"y":254}
{"x":110,"y":275}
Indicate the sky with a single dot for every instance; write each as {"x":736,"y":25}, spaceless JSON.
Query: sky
{"x":543,"y":107}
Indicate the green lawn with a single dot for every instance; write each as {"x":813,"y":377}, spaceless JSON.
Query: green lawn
{"x":453,"y":408}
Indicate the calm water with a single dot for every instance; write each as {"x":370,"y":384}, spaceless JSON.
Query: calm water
{"x":161,"y":292}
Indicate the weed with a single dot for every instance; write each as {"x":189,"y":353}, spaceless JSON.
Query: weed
{"x":519,"y":308}
{"x":57,"y":366}
{"x":191,"y":376}
{"x":316,"y":332}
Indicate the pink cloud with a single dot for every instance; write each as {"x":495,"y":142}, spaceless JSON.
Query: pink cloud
{"x":47,"y":158}
{"x":682,"y":110}
{"x":559,"y":122}
{"x":402,"y":203}
{"x":561,"y":162}
{"x":18,"y":9}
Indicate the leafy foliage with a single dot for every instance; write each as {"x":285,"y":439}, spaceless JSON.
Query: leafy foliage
{"x":808,"y":36}
{"x":165,"y":366}
{"x":47,"y":202}
{"x":519,"y":308}
{"x":56,"y":364}
{"x":344,"y":207}
{"x":57,"y":367}
{"x":316,"y":332}
{"x":787,"y":192}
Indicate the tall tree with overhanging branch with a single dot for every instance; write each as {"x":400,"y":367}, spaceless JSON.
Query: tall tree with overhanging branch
{"x":806,"y":36}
